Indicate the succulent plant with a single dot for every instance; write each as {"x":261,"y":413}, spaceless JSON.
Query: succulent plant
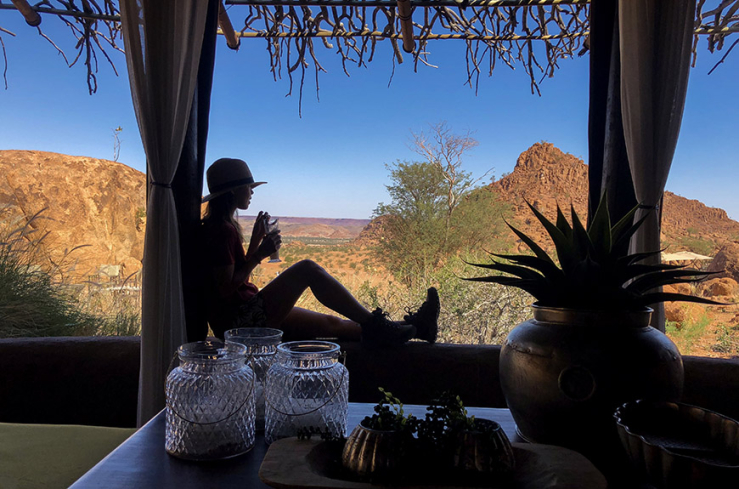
{"x":595,"y":271}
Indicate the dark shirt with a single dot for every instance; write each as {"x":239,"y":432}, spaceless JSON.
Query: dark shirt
{"x":223,"y":247}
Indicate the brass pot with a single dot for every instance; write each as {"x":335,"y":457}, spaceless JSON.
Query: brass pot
{"x":564,"y":372}
{"x":374,"y":453}
{"x":485,"y":450}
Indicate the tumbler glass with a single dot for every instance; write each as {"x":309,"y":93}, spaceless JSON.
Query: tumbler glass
{"x":273,"y":227}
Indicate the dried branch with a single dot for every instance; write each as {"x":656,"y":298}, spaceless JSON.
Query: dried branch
{"x":95,"y":25}
{"x":717,"y":24}
{"x":533,"y":34}
{"x":5,"y":55}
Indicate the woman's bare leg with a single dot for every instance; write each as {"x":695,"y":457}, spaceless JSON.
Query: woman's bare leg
{"x":304,"y":324}
{"x":281,"y":294}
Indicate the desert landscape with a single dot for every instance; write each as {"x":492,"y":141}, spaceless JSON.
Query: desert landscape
{"x":93,"y":212}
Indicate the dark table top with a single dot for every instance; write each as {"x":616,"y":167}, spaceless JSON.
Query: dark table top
{"x":142,"y":462}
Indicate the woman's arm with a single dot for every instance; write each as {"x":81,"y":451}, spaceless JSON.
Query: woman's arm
{"x":230,"y":277}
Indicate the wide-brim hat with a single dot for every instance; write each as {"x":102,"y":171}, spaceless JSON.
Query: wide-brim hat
{"x":227,"y":174}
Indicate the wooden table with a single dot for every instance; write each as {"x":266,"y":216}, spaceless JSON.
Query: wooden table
{"x":142,"y":462}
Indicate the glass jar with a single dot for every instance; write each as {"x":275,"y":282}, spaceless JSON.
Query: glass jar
{"x":261,"y":347}
{"x":307,"y":388}
{"x":210,"y":402}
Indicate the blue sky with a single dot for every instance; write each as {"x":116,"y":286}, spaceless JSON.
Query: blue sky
{"x":331,"y":162}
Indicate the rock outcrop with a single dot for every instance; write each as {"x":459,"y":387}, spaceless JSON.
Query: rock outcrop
{"x":97,"y":205}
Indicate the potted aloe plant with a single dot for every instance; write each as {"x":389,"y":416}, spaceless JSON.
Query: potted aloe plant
{"x":589,"y":347}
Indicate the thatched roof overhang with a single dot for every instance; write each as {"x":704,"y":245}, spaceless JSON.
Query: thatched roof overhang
{"x":533,"y":34}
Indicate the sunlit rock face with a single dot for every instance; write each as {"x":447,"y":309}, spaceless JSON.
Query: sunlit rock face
{"x":96,"y":205}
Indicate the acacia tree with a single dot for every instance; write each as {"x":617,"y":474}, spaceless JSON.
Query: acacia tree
{"x":436,"y":209}
{"x":445,"y":150}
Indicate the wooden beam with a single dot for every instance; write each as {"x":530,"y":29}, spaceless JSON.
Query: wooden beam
{"x":32,"y":17}
{"x":227,"y":28}
{"x":382,"y":35}
{"x":405,"y":14}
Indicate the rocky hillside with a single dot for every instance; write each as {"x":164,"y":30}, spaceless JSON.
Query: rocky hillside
{"x":545,"y":176}
{"x":96,"y":204}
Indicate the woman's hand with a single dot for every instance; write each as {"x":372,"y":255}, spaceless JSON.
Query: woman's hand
{"x":271,"y":243}
{"x":259,"y":231}
{"x":260,"y":226}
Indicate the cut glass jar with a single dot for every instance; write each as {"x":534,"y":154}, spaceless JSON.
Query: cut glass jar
{"x":307,"y":388}
{"x":210,"y":402}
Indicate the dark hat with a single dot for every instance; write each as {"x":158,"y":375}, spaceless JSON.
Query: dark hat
{"x":227,"y":174}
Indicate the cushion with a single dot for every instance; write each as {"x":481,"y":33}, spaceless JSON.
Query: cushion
{"x":52,"y":456}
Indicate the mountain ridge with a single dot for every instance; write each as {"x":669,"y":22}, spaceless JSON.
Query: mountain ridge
{"x":100,"y":204}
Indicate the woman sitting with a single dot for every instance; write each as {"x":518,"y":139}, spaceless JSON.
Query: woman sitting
{"x":233,"y":301}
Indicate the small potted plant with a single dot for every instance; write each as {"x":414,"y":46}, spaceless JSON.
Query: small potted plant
{"x":589,"y":347}
{"x":451,"y":437}
{"x":379,"y":446}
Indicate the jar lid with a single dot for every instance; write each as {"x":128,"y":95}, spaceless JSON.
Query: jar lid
{"x":254,"y":336}
{"x":309,"y":348}
{"x":212,"y":352}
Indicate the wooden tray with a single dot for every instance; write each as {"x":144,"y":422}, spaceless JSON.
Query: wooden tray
{"x":313,"y":464}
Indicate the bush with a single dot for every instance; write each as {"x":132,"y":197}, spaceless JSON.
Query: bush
{"x":471,"y":313}
{"x":37,"y":298}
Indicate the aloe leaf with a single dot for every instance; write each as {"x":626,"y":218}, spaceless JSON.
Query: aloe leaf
{"x":546,"y":267}
{"x":648,"y":282}
{"x":533,"y":287}
{"x":633,"y":271}
{"x":538,"y":250}
{"x":623,"y":224}
{"x":562,"y":223}
{"x":565,"y":250}
{"x":656,"y":297}
{"x":580,"y":238}
{"x":517,"y":270}
{"x":599,"y":229}
{"x":635,"y":257}
{"x":662,"y":283}
{"x":621,"y":246}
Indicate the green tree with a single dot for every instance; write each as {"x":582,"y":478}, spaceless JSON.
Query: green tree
{"x":436,"y":209}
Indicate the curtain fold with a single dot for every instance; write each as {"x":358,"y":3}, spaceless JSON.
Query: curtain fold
{"x":655,"y":38}
{"x":608,"y":163}
{"x":163,"y":40}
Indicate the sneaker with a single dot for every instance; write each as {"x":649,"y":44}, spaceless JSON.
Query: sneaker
{"x":426,"y":318}
{"x":380,"y":331}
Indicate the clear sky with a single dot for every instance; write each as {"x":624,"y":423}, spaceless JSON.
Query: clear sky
{"x":331,"y":162}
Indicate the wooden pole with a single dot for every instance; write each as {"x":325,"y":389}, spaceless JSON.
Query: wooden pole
{"x":227,"y":28}
{"x":405,"y":14}
{"x":32,"y":17}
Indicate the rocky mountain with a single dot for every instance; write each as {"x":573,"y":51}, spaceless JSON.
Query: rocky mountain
{"x":94,"y":204}
{"x":545,"y":176}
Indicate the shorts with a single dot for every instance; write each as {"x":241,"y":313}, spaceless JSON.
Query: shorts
{"x":251,"y":314}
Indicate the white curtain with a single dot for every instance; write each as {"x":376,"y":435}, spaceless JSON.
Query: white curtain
{"x":162,"y":39}
{"x":655,"y":42}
